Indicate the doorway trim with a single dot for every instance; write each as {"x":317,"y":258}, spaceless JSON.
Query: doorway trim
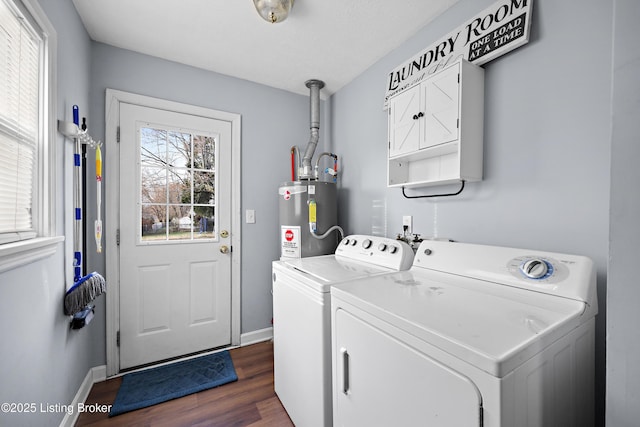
{"x":113,"y":99}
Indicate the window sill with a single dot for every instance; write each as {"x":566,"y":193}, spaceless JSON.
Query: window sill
{"x":14,"y":255}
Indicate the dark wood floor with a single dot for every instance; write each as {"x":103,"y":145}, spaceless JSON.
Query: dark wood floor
{"x":250,"y":401}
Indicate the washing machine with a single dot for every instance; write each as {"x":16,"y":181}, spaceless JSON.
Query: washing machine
{"x":470,"y":335}
{"x":302,"y":319}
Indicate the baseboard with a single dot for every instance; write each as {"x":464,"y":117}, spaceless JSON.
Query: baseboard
{"x":255,"y":337}
{"x":96,"y":374}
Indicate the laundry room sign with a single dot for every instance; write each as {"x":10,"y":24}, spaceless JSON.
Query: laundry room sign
{"x":493,"y":32}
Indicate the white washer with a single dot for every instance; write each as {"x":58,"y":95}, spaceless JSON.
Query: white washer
{"x":471,"y":335}
{"x":302,"y":319}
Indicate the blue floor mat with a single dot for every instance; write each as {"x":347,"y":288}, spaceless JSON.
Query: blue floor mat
{"x":156,"y":385}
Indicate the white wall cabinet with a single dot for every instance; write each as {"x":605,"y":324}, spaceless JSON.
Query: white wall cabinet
{"x":436,"y":129}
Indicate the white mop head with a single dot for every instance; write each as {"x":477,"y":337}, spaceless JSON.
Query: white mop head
{"x":83,"y":292}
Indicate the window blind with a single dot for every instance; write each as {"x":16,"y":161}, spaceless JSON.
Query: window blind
{"x":19,"y":123}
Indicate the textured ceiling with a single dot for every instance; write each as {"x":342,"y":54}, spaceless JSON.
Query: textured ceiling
{"x":331,"y":40}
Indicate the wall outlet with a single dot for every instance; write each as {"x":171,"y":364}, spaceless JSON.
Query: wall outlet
{"x":407,"y":223}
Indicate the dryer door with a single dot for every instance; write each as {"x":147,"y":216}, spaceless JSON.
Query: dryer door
{"x":381,"y":381}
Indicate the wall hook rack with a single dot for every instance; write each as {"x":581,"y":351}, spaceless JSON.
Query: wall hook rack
{"x":71,"y":130}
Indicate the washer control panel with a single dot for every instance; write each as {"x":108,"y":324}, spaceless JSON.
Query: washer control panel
{"x":376,"y":250}
{"x":538,"y":269}
{"x":563,"y":275}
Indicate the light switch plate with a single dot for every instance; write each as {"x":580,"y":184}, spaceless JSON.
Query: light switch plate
{"x":250,"y":216}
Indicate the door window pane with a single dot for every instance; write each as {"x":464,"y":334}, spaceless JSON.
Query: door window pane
{"x":178,"y":185}
{"x":153,"y":185}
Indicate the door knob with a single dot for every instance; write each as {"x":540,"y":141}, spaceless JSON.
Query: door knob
{"x":224,"y":249}
{"x":224,"y":234}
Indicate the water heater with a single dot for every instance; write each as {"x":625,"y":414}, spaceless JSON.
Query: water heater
{"x":308,"y":205}
{"x":308,"y":209}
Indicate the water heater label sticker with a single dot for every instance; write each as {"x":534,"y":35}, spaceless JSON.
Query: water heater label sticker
{"x":288,"y":192}
{"x":312,"y":189}
{"x":290,"y":241}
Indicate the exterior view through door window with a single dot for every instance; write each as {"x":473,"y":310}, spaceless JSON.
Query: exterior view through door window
{"x":178,"y":185}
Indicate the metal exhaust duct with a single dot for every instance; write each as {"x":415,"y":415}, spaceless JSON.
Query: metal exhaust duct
{"x":314,"y":87}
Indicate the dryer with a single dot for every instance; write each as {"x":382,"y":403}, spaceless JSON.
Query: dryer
{"x":302,"y":319}
{"x":471,"y":335}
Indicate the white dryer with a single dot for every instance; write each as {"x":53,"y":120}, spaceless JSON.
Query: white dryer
{"x":471,"y":335}
{"x":302,"y":319}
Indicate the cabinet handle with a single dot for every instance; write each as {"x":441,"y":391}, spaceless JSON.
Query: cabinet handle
{"x":420,"y":114}
{"x":415,"y":117}
{"x":345,"y":370}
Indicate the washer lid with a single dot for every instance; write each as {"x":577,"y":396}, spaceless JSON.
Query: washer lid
{"x":330,"y":269}
{"x":493,"y":327}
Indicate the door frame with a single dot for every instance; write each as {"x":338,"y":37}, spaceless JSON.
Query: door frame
{"x":113,"y":99}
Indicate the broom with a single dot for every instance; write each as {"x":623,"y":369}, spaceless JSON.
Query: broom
{"x":85,"y":289}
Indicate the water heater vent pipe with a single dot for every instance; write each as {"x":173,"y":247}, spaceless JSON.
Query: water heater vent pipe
{"x":314,"y":87}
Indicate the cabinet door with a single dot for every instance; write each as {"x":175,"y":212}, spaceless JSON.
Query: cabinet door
{"x":380,"y":381}
{"x":404,"y":130}
{"x":440,"y":103}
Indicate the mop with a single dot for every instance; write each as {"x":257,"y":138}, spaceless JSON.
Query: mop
{"x":85,"y":288}
{"x":98,"y":223}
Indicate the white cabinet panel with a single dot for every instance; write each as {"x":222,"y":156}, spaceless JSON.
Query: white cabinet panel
{"x":404,"y":129}
{"x":440,"y":106}
{"x":381,"y":381}
{"x":302,"y":359}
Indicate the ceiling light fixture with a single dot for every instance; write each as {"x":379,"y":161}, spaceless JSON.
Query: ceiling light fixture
{"x":273,"y":10}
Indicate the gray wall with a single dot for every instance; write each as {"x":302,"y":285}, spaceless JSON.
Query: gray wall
{"x":272,"y":121}
{"x":546,"y":145}
{"x":623,"y":293}
{"x":42,"y":360}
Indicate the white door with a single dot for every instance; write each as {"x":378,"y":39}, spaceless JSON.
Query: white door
{"x":404,"y":122}
{"x":175,"y":227}
{"x":441,"y":101}
{"x":381,"y":381}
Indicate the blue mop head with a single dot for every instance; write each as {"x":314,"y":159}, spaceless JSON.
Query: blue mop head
{"x":83,"y":292}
